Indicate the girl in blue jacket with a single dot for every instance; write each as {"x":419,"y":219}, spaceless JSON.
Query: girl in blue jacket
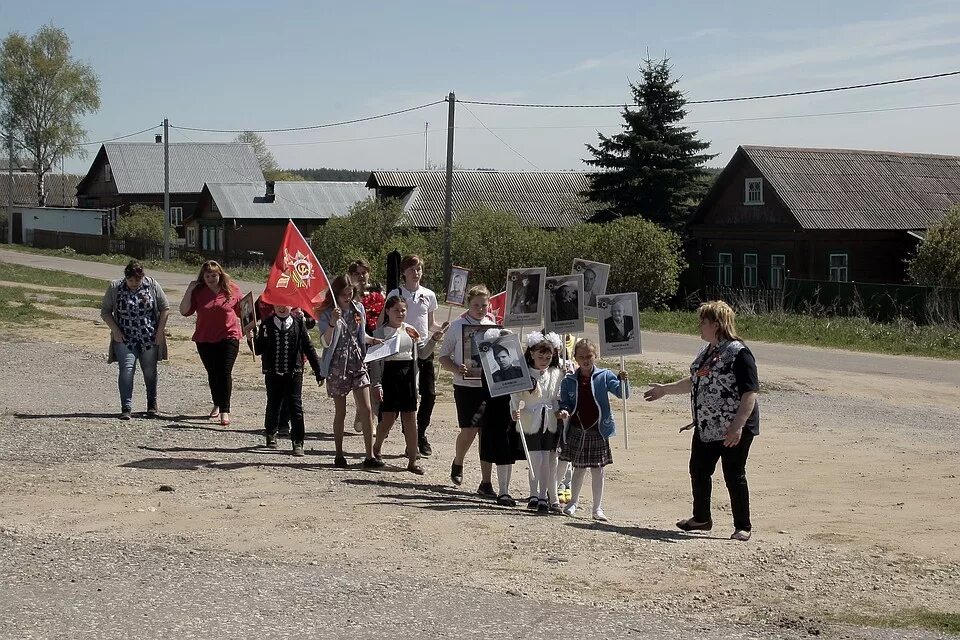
{"x":583,"y":399}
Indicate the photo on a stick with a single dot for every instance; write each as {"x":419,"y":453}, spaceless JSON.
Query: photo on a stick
{"x":619,"y":325}
{"x":504,"y":366}
{"x":524,"y":297}
{"x":248,"y":319}
{"x":471,"y":357}
{"x":457,"y":288}
{"x":595,"y":277}
{"x":564,"y":303}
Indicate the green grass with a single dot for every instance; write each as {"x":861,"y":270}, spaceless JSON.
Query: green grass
{"x":641,"y":374}
{"x":15,"y":309}
{"x":918,"y":618}
{"x":32,"y":275}
{"x":252,"y":274}
{"x":855,"y":334}
{"x":51,"y":298}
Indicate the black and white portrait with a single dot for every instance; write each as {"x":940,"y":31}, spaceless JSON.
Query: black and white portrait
{"x":564,"y":298}
{"x":248,"y":320}
{"x":502,"y":360}
{"x":524,"y":296}
{"x":619,"y":330}
{"x":471,"y":356}
{"x":457,"y":289}
{"x":595,"y":276}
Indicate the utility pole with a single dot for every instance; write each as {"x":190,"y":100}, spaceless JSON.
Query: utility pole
{"x":166,"y":190}
{"x":9,"y":184}
{"x":448,"y":194}
{"x":426,"y":127}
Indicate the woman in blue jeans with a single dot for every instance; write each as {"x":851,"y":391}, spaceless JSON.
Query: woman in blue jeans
{"x":136,"y":310}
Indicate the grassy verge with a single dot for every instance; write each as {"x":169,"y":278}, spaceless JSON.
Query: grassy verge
{"x":16,"y":309}
{"x":641,"y":374}
{"x":855,"y":334}
{"x":32,"y":275}
{"x":911,"y":618}
{"x":20,"y":296}
{"x":252,"y":274}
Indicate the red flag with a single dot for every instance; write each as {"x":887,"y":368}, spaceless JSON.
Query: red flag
{"x":498,"y":306}
{"x":296,"y":278}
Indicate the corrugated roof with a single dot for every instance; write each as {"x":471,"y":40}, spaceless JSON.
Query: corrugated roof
{"x":297,"y":200}
{"x":60,"y":189}
{"x":137,"y":167}
{"x":854,"y":189}
{"x":539,"y":199}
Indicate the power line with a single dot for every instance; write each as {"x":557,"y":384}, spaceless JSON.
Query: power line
{"x":505,"y":143}
{"x":313,"y":126}
{"x":383,"y":137}
{"x":129,"y":135}
{"x":720,"y":100}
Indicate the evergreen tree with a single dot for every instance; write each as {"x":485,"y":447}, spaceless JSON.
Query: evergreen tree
{"x":654,"y":167}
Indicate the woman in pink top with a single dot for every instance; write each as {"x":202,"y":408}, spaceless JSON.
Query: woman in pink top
{"x":216,"y":301}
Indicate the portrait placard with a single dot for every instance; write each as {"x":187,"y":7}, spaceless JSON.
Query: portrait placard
{"x":471,"y":357}
{"x":248,"y":319}
{"x":504,"y":366}
{"x":457,"y":288}
{"x":595,"y":277}
{"x":524,"y":297}
{"x":619,"y":325}
{"x":564,"y":303}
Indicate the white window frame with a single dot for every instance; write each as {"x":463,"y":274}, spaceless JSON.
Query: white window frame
{"x":778,"y":270}
{"x":191,"y":237}
{"x":107,"y":173}
{"x":176,"y":216}
{"x":839,"y":273}
{"x":751,"y":281}
{"x":725,"y":270}
{"x":749,"y":182}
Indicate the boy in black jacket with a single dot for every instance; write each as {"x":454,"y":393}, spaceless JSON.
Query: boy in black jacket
{"x":283,"y":343}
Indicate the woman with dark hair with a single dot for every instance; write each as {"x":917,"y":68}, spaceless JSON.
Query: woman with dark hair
{"x":723,"y":386}
{"x":216,"y":300}
{"x":342,"y":326}
{"x":136,"y":310}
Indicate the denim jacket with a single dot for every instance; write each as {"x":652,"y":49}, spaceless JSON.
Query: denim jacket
{"x":604,"y":382}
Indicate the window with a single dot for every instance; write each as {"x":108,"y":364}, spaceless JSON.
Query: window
{"x":839,"y":267}
{"x":725,"y":269}
{"x":219,"y":238}
{"x":753,"y":191}
{"x":176,"y":216}
{"x":750,"y":270}
{"x":107,"y":174}
{"x":778,"y":271}
{"x":191,"y":237}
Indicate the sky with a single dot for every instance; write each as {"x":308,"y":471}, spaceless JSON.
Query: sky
{"x":266,"y":65}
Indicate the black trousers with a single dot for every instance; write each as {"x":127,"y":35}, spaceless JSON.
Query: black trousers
{"x":703,"y":462}
{"x":428,"y":393}
{"x":218,"y":359}
{"x":284,"y":395}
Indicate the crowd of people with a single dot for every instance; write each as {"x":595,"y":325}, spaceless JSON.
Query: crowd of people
{"x":561,"y":424}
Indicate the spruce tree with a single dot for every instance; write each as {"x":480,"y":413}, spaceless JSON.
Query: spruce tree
{"x":654,"y":168}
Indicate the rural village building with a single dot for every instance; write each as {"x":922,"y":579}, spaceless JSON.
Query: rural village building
{"x":820,"y":214}
{"x":251,"y":217}
{"x":127,"y":173}
{"x":547,"y":199}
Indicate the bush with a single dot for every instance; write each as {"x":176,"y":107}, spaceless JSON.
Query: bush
{"x":141,"y":223}
{"x":937,"y":263}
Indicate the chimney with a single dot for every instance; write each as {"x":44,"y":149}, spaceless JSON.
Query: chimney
{"x":269,"y":196}
{"x":158,"y":139}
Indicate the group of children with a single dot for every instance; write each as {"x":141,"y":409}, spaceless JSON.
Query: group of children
{"x":562,"y":424}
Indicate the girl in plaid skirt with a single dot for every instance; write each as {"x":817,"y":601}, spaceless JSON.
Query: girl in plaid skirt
{"x":583,"y":397}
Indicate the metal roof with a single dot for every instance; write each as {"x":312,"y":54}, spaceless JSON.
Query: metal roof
{"x":296,"y":200}
{"x":137,"y":167}
{"x":855,"y":189}
{"x":60,"y":189}
{"x":538,"y":199}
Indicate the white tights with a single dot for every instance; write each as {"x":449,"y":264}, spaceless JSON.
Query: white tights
{"x":504,"y":471}
{"x":596,"y":476}
{"x":541,"y":474}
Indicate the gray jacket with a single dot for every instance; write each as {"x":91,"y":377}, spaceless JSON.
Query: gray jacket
{"x":109,"y":308}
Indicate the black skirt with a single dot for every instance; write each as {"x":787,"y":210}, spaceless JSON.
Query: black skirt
{"x":499,"y":438}
{"x":399,"y":386}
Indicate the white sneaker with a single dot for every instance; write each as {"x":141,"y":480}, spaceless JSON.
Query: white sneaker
{"x":599,"y":516}
{"x":570,"y":509}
